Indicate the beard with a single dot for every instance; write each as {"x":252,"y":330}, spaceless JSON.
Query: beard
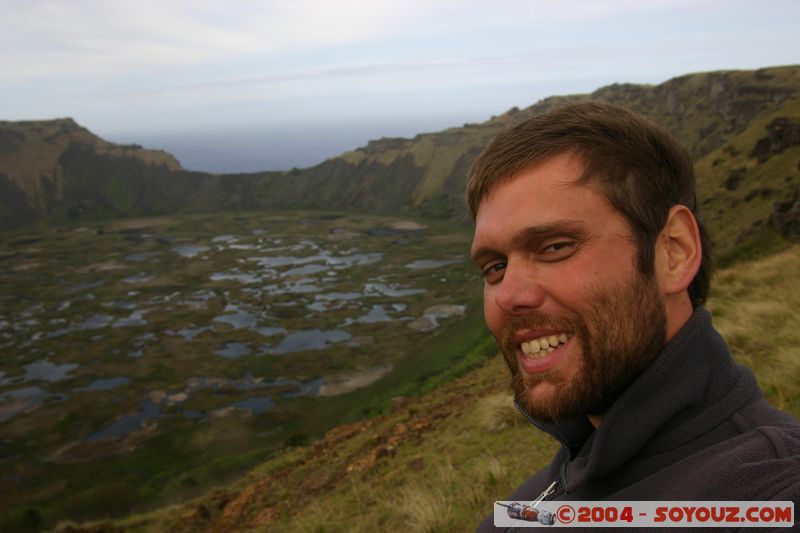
{"x":619,"y":335}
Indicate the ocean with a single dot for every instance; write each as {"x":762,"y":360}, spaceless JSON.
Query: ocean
{"x":254,"y":149}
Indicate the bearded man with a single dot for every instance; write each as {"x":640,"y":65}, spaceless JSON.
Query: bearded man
{"x":596,"y":270}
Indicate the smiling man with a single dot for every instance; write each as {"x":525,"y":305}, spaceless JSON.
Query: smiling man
{"x":595,"y":272}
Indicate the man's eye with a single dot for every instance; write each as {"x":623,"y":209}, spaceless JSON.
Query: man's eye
{"x":493,"y":272}
{"x":558,"y":250}
{"x":556,"y":246}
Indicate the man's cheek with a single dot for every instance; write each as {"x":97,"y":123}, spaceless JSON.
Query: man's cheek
{"x":493,"y":316}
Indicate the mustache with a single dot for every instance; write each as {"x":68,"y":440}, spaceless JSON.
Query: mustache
{"x":534,"y":320}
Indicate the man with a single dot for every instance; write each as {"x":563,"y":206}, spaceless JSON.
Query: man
{"x":596,"y":269}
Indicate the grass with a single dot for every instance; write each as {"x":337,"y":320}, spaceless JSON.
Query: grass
{"x":438,"y":462}
{"x":756,"y":307}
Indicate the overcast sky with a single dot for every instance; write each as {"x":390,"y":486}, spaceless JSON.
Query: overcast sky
{"x":181,"y":65}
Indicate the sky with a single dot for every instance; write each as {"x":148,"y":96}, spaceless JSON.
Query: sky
{"x":318,"y":73}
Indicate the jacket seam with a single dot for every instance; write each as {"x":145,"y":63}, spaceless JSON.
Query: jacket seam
{"x":777,"y":443}
{"x":742,"y":423}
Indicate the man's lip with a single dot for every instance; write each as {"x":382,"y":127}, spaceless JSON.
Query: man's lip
{"x":529,"y":335}
{"x":542,"y":364}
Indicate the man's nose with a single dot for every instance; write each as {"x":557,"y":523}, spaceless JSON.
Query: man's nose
{"x":520,"y":290}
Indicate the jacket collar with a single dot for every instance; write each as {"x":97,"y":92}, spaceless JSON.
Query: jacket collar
{"x":692,"y":386}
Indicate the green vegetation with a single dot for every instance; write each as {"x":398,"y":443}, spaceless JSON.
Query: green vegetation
{"x":756,"y":307}
{"x":434,"y":463}
{"x":741,"y":188}
{"x":150,"y":359}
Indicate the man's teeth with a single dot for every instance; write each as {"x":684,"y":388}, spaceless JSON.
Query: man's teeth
{"x":545,"y":345}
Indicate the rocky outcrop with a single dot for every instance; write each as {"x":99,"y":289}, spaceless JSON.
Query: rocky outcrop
{"x":782,"y":134}
{"x":786,"y":217}
{"x":735,"y":178}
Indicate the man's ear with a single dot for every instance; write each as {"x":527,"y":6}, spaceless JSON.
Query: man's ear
{"x":678,"y":251}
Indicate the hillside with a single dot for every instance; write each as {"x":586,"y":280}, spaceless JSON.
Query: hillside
{"x":436,"y":462}
{"x":32,"y":166}
{"x":742,"y":126}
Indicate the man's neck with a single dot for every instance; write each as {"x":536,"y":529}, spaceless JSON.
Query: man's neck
{"x":679,"y":310}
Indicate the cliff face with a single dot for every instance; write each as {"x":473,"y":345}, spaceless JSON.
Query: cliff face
{"x":56,"y":170}
{"x":741,"y":127}
{"x":37,"y":159}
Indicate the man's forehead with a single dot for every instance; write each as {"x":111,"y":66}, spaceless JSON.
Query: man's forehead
{"x":541,"y":198}
{"x":554,"y":175}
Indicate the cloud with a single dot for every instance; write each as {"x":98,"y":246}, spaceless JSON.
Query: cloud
{"x":42,"y":38}
{"x":121,"y":61}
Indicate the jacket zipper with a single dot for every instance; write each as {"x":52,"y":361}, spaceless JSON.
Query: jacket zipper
{"x":554,"y":486}
{"x":562,"y":480}
{"x":546,"y":493}
{"x":533,"y":422}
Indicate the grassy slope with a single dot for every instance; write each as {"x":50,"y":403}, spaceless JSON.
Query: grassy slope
{"x":738,"y":214}
{"x":436,"y":461}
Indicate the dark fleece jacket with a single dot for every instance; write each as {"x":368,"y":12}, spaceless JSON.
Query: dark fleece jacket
{"x":693,"y":426}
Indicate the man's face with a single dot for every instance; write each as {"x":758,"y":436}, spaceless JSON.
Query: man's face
{"x":575,"y":318}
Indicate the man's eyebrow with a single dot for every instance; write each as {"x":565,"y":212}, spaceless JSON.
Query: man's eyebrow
{"x":532,"y":234}
{"x":483,"y":252}
{"x":554,"y":229}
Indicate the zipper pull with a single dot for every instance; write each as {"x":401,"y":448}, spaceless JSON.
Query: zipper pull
{"x":546,"y":493}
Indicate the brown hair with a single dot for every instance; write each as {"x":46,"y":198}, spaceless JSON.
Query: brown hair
{"x":642,"y":169}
